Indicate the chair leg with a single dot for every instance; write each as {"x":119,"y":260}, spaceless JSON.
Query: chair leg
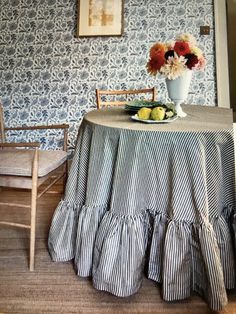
{"x":33,"y":227}
{"x":33,"y":209}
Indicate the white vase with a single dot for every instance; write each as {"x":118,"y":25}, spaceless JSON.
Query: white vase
{"x":178,"y":91}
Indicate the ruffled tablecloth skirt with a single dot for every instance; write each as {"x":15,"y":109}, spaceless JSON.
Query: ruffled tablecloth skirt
{"x":162,"y":202}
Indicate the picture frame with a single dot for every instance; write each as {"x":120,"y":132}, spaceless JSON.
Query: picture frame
{"x":100,"y":18}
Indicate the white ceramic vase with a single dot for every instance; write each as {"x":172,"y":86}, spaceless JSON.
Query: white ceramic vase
{"x":178,"y":91}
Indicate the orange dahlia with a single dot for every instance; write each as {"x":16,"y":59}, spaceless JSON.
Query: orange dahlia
{"x":157,"y":50}
{"x":154,"y":65}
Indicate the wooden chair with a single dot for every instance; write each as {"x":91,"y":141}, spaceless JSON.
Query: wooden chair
{"x":125,"y":93}
{"x":29,"y":168}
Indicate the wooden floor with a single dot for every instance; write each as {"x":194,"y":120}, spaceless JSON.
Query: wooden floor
{"x":54,"y":287}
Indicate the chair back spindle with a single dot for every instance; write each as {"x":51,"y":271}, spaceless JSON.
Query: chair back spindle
{"x":2,"y":131}
{"x":105,"y":97}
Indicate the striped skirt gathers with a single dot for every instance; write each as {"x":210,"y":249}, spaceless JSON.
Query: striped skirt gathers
{"x":115,"y":250}
{"x":149,"y":203}
{"x":187,"y":257}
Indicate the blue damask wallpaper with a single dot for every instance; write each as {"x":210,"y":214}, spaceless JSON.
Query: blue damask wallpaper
{"x":47,"y":75}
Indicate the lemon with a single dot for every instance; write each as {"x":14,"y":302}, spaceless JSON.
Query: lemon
{"x":144,"y":113}
{"x":158,"y":113}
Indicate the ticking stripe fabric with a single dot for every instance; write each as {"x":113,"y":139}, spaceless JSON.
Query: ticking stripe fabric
{"x":152,"y":201}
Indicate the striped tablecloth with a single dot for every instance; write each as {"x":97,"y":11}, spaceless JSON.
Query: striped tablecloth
{"x":157,"y":197}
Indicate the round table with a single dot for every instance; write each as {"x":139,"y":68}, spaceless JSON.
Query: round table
{"x":151,"y":196}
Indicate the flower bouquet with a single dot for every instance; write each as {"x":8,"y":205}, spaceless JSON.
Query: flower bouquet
{"x":174,"y":58}
{"x":175,"y":61}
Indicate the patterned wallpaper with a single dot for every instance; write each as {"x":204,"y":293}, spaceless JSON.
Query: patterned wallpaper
{"x":47,"y":75}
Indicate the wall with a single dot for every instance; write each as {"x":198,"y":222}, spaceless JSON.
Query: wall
{"x":47,"y":75}
{"x":231,"y":12}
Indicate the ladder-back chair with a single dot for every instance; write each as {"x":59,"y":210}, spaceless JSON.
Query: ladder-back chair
{"x":106,"y":97}
{"x":30,"y":168}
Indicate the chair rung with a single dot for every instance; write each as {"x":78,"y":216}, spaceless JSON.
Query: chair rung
{"x":56,"y":178}
{"x":15,"y":205}
{"x":14,"y":224}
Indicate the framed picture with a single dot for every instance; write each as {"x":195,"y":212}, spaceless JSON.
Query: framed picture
{"x":100,"y":18}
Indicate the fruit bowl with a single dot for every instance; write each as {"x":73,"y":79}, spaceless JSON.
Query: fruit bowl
{"x":169,"y":120}
{"x":161,"y":113}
